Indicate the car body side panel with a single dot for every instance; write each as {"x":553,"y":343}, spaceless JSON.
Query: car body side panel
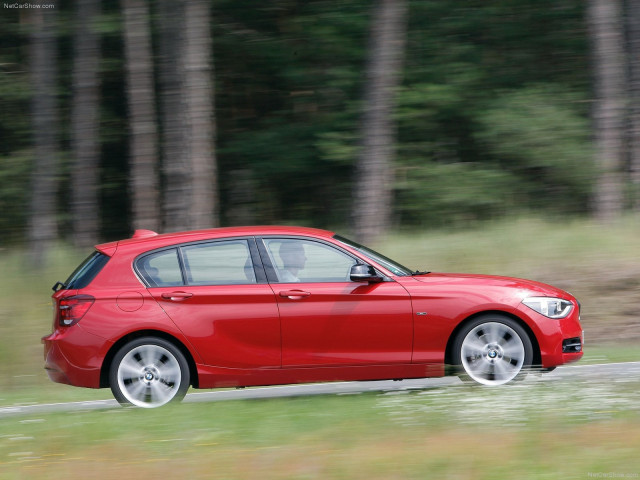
{"x":118,"y":312}
{"x":439,"y":306}
{"x":233,"y":326}
{"x":345,"y":323}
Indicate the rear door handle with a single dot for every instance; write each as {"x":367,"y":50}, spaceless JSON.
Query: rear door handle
{"x":294,"y":294}
{"x":176,"y":296}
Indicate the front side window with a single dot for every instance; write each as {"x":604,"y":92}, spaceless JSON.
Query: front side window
{"x":219,"y":263}
{"x":296,"y":260}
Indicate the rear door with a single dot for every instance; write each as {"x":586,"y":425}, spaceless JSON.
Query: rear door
{"x":217,"y":294}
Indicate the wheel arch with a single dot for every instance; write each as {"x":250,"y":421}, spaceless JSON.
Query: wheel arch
{"x":106,"y":364}
{"x":448,"y":355}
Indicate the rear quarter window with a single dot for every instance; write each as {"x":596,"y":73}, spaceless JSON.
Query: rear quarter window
{"x":161,"y":269}
{"x":87,"y":271}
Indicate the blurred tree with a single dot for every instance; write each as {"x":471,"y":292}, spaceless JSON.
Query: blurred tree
{"x":44,"y":114}
{"x":199,"y":115}
{"x":16,"y":133}
{"x":374,"y":172}
{"x":175,"y":167}
{"x":288,"y":78}
{"x":85,"y":116}
{"x":633,"y":57}
{"x":143,"y":156}
{"x":607,"y":36}
{"x":492,"y":112}
{"x":539,"y":136}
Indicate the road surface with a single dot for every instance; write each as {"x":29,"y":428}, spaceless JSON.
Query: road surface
{"x":600,"y":372}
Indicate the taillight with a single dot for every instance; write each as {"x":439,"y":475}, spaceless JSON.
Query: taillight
{"x":72,"y":309}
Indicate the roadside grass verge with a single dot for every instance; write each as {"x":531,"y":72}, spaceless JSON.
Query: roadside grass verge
{"x":530,"y":430}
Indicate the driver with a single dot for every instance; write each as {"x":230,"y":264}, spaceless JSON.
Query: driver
{"x":293,"y":260}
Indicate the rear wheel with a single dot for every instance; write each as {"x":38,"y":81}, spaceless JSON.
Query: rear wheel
{"x":149,"y":372}
{"x":492,"y":350}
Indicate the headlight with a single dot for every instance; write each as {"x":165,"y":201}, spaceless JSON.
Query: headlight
{"x":549,"y":306}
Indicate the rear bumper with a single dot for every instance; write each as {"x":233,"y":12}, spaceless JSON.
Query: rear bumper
{"x":73,"y":357}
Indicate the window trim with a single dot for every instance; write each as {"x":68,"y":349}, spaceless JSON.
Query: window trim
{"x":258,"y":267}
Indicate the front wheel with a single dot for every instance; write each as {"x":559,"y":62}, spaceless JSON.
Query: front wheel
{"x":149,"y":372}
{"x":492,"y":350}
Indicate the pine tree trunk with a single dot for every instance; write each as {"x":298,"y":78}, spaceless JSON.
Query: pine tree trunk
{"x":175,"y":166}
{"x":199,"y":114}
{"x":42,"y":229}
{"x":605,"y":22}
{"x":633,"y":59}
{"x":146,"y":206}
{"x":374,"y":172}
{"x":85,"y":126}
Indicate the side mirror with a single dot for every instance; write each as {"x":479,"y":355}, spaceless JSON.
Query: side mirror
{"x":364,"y":273}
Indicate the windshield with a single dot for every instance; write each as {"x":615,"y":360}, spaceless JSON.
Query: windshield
{"x":392,"y":266}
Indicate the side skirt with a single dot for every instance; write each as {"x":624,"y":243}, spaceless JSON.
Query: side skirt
{"x":216,"y":377}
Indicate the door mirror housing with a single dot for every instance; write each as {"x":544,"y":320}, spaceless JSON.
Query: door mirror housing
{"x":364,"y":273}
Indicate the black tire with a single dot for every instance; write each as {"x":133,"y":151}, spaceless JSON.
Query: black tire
{"x":492,"y":349}
{"x":149,"y":372}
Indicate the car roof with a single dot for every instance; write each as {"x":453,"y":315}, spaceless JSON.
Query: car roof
{"x":147,"y":239}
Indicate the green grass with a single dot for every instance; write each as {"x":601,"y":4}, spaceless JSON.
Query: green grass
{"x":610,"y":353}
{"x":451,"y":432}
{"x":520,"y":247}
{"x":26,"y":314}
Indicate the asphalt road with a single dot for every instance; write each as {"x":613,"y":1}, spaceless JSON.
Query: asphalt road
{"x":601,"y":372}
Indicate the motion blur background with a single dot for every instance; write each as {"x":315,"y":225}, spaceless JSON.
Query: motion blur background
{"x":491,"y":136}
{"x":174,"y":115}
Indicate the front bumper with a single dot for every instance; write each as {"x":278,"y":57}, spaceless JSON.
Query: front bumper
{"x":560,"y":340}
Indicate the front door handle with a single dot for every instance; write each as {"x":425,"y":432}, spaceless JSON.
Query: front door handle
{"x":176,"y":296}
{"x":294,"y":294}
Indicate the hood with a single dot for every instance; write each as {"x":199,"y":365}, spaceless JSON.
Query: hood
{"x":527,"y":287}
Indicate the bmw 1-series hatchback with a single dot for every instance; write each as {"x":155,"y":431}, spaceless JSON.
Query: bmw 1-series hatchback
{"x":232,"y":307}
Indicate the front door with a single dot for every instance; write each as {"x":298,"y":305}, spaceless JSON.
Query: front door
{"x":328,"y":320}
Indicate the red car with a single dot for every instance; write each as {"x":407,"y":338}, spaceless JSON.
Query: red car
{"x":232,"y":307}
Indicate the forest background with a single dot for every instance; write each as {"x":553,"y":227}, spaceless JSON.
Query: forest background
{"x":493,"y":136}
{"x":360,"y":115}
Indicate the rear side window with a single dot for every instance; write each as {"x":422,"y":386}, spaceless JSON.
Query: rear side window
{"x":214,"y":263}
{"x":86,"y":271}
{"x":219,"y":263}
